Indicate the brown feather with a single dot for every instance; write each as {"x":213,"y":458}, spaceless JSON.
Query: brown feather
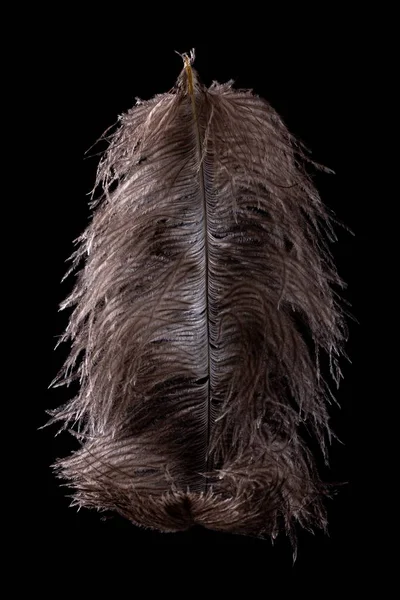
{"x":205,"y":260}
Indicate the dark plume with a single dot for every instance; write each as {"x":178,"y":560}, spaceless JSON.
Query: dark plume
{"x":205,"y":299}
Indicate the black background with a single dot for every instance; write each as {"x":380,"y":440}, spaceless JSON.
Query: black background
{"x":84,"y":71}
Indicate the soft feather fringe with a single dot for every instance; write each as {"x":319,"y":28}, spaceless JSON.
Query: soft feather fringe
{"x":205,"y":261}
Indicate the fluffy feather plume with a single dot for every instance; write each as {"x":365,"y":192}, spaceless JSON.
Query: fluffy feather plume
{"x":205,"y":261}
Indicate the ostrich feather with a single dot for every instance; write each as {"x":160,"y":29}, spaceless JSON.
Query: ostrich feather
{"x":205,"y":297}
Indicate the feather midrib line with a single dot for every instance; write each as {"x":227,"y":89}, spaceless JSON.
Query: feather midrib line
{"x":206,"y":257}
{"x":191,"y":93}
